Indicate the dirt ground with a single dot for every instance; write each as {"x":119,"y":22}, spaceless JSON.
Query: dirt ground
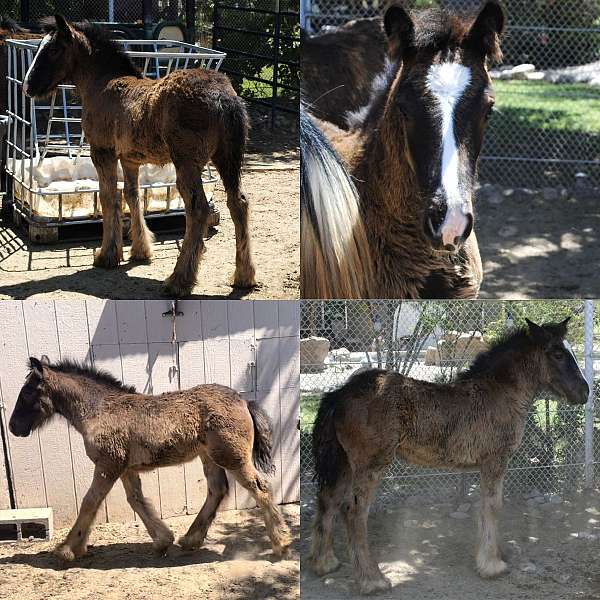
{"x":236,"y":563}
{"x":535,"y":247}
{"x":271,"y":182}
{"x":552,"y":551}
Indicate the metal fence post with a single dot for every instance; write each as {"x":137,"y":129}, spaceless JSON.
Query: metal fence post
{"x":589,"y":407}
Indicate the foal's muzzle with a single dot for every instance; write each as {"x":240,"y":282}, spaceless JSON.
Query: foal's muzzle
{"x":447,"y":230}
{"x":19,"y":429}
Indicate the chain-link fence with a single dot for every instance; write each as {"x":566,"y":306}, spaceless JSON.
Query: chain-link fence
{"x":546,"y":131}
{"x":434,"y":340}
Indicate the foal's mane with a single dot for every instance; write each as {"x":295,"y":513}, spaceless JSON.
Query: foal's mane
{"x":108,"y":55}
{"x":500,"y":349}
{"x":73,"y":367}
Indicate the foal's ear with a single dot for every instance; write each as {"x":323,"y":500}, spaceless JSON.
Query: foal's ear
{"x":37,"y":366}
{"x":536,"y":332}
{"x":486,"y":31}
{"x":561,"y":328}
{"x":62,"y":27}
{"x":400,"y":31}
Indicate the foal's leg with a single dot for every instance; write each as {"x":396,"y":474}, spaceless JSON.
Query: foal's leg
{"x":162,"y":536}
{"x":75,"y":544}
{"x":329,"y":502}
{"x":260,"y":489}
{"x":229,"y":164}
{"x":141,"y":236}
{"x":489,"y":561}
{"x":189,"y":184}
{"x":218,"y":487}
{"x":356,"y":512}
{"x":111,"y":252}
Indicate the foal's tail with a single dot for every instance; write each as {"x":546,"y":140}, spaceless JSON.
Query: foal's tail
{"x":229,"y":155}
{"x":328,"y":454}
{"x":262,"y":451}
{"x":335,"y":256}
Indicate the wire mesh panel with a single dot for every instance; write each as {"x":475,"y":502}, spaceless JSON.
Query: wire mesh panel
{"x":433,"y":341}
{"x":40,"y":133}
{"x":546,"y":131}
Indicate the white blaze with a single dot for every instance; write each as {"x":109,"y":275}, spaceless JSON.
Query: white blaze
{"x":447,"y":83}
{"x":44,"y":41}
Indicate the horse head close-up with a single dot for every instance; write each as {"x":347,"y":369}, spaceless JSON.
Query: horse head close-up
{"x":412,"y":152}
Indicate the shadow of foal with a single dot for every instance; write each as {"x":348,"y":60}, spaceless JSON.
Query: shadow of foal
{"x":126,"y":432}
{"x":475,"y":421}
{"x":188,"y":118}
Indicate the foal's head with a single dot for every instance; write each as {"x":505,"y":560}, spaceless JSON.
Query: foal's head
{"x":34,"y":405}
{"x":559,"y":370}
{"x":63,"y":50}
{"x":440,"y":100}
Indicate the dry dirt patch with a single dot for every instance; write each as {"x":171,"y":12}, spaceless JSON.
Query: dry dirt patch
{"x":236,"y":563}
{"x":552,"y":551}
{"x":65,"y":270}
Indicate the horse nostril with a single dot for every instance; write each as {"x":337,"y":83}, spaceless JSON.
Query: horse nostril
{"x":468,"y":228}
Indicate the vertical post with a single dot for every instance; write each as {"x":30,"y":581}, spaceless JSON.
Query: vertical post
{"x":589,"y":407}
{"x":147,"y":18}
{"x":111,"y":11}
{"x":276,"y":60}
{"x":190,"y":21}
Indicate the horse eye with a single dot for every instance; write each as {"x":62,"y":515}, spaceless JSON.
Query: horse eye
{"x":558,"y":354}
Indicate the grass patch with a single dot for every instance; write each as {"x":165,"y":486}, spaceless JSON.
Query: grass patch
{"x":540,"y":120}
{"x":309,"y":405}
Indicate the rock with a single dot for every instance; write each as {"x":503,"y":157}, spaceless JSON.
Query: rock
{"x":464,"y":508}
{"x":313,"y":352}
{"x":520,"y":71}
{"x":562,"y":577}
{"x":432,"y":357}
{"x":329,"y":581}
{"x":554,"y":498}
{"x":528,"y":567}
{"x":340,"y":354}
{"x":411,"y":523}
{"x":459,"y":515}
{"x":534,"y":493}
{"x":508,"y":231}
{"x":550,"y":194}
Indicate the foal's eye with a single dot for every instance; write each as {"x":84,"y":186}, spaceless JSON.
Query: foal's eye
{"x":558,"y":354}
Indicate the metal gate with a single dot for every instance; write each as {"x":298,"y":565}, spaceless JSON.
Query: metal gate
{"x":262,"y":42}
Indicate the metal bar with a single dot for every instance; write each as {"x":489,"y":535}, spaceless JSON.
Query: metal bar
{"x":588,"y":327}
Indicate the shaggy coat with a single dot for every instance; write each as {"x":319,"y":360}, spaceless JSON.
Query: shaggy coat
{"x":189,"y":118}
{"x":338,"y":68}
{"x":476,"y":421}
{"x":126,"y":433}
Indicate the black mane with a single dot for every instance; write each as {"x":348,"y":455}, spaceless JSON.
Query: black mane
{"x":67,"y":365}
{"x":108,"y":54}
{"x":504,"y":346}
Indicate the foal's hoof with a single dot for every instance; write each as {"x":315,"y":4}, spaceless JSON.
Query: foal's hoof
{"x":244,"y":280}
{"x":175,"y":288}
{"x":107,"y":261}
{"x":161,"y":546}
{"x":65,"y":553}
{"x":189,"y":543}
{"x":492,"y":568}
{"x":372,"y":586}
{"x":326,"y":565}
{"x":141,"y":256}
